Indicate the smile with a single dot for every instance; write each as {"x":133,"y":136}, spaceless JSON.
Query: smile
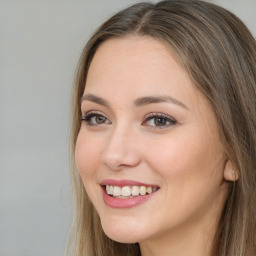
{"x":126,"y":193}
{"x":129,"y":191}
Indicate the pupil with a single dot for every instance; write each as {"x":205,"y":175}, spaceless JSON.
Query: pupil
{"x":160,"y":121}
{"x":100,"y":119}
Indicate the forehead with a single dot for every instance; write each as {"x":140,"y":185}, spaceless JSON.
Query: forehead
{"x":139,"y":63}
{"x":131,"y":51}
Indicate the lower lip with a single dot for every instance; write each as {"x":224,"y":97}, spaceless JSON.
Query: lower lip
{"x":124,"y":203}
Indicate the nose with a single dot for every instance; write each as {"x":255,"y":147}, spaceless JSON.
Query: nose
{"x":121,"y":150}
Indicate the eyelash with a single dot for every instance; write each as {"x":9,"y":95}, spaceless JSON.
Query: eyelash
{"x":88,"y":118}
{"x":152,"y":116}
{"x":155,"y":116}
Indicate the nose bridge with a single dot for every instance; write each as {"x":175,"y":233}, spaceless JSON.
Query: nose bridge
{"x":120,"y":149}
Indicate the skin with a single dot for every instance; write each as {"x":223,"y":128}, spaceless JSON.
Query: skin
{"x":185,"y":159}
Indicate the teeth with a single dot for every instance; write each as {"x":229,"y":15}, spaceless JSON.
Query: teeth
{"x":129,"y":191}
{"x":135,"y":190}
{"x":126,"y":191}
{"x":107,"y":189}
{"x":149,"y":190}
{"x":117,"y":191}
{"x":143,"y":190}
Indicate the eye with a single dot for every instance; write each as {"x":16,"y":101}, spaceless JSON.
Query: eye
{"x":159,"y":120}
{"x":94,"y":118}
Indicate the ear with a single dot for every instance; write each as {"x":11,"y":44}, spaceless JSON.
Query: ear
{"x":230,"y":173}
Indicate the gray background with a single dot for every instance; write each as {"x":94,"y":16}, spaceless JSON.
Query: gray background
{"x":40,"y":43}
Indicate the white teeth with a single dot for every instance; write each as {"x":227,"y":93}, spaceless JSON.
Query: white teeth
{"x":143,"y":190}
{"x":135,"y":190}
{"x":149,"y":190}
{"x":126,"y":191}
{"x":129,"y":191}
{"x":117,"y":191}
{"x":107,"y":189}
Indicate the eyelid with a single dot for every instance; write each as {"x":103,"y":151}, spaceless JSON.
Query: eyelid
{"x":96,"y":112}
{"x":170,"y":119}
{"x":93,"y":113}
{"x":157,"y":114}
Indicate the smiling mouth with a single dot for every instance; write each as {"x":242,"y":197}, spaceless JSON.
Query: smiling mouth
{"x":126,"y":192}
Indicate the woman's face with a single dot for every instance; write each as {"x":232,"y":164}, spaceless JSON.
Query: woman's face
{"x":149,"y":138}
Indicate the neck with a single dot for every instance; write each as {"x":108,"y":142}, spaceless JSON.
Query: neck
{"x":179,"y":243}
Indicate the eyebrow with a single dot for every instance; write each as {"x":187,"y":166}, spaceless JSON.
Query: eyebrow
{"x":138,"y":102}
{"x":96,"y":99}
{"x":152,"y":99}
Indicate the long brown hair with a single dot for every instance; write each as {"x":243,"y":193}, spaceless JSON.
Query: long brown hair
{"x":219,"y":53}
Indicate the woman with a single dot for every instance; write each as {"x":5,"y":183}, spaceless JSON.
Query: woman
{"x":164,"y":134}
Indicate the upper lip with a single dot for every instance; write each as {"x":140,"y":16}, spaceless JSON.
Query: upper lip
{"x":122,"y":183}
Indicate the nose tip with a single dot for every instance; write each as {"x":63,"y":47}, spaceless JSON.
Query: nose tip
{"x":118,"y":161}
{"x":120,"y":152}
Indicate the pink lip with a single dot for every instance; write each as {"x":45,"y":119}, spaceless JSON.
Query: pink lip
{"x":122,"y":183}
{"x":121,"y":202}
{"x":124,"y":203}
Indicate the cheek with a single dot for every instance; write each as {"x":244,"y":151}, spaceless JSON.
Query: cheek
{"x":185,"y":157}
{"x":87,"y":161}
{"x":190,"y":168}
{"x":86,"y":155}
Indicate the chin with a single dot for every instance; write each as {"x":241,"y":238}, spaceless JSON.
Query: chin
{"x":120,"y":238}
{"x":121,"y":232}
